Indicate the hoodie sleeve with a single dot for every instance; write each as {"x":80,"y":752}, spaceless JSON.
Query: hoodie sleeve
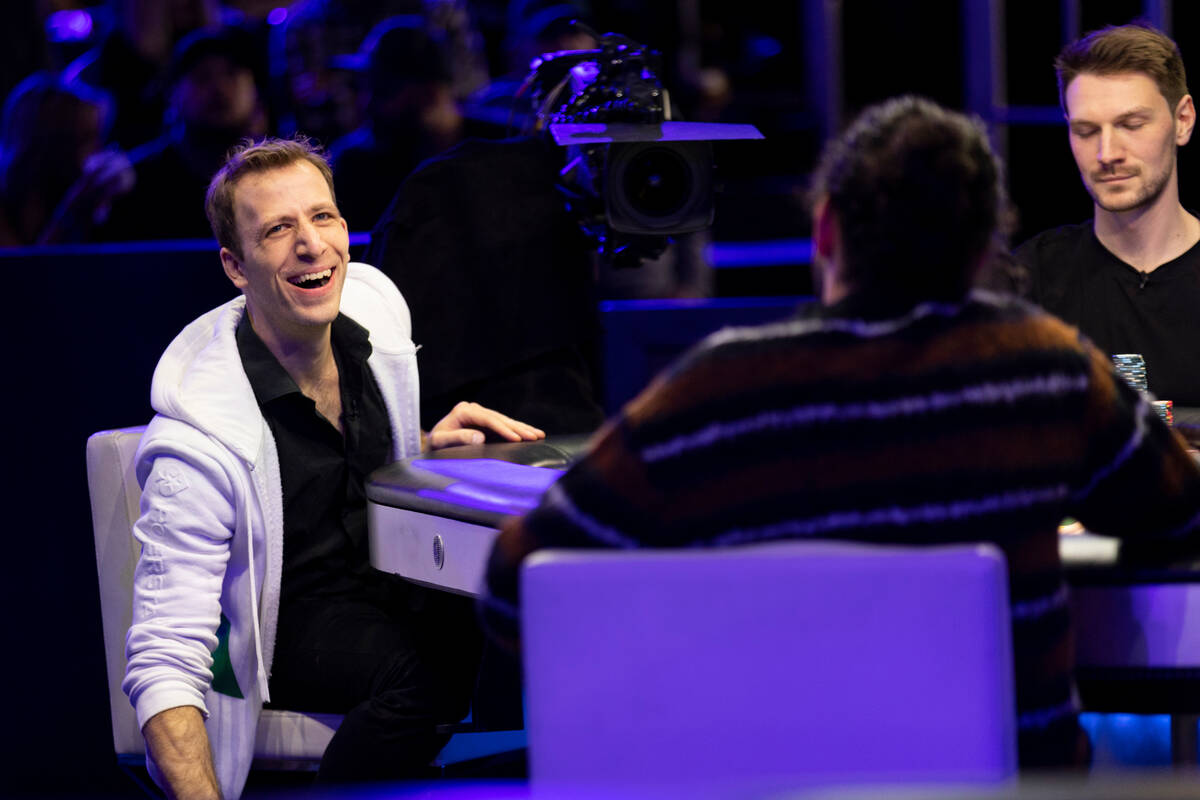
{"x":185,"y":528}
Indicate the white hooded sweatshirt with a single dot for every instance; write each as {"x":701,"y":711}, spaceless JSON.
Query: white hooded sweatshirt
{"x":204,"y":622}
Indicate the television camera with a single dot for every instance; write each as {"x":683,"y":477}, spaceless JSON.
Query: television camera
{"x":634,"y":175}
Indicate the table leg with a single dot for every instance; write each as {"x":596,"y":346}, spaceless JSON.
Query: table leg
{"x":1183,"y":739}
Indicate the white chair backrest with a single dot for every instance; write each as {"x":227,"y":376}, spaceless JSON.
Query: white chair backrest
{"x":797,"y":663}
{"x":115,"y":496}
{"x":284,"y":739}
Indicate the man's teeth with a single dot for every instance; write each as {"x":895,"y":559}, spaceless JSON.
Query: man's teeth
{"x":313,"y":276}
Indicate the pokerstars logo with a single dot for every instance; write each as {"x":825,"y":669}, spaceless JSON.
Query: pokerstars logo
{"x":171,"y":482}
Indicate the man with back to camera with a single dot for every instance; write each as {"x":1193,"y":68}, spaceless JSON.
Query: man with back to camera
{"x":902,"y":408}
{"x":254,"y":584}
{"x":1129,"y":278}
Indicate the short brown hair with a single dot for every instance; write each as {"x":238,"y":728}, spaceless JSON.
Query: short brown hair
{"x":1136,"y":47}
{"x":248,"y":158}
{"x":919,"y":198}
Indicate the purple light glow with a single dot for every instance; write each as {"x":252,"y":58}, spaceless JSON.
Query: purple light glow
{"x":488,"y":484}
{"x":444,"y":790}
{"x":73,"y":25}
{"x":464,"y":496}
{"x":512,"y":478}
{"x":277,"y":16}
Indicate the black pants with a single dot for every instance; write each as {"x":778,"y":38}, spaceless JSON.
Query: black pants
{"x":397,"y":660}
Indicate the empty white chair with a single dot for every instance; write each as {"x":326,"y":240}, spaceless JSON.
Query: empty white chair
{"x":709,"y":672}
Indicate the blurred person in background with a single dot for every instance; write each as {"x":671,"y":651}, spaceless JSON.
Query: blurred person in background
{"x":57,"y":182}
{"x":131,"y":60}
{"x":213,"y":103}
{"x":532,"y":27}
{"x":24,"y":43}
{"x":319,"y":98}
{"x":411,"y":114}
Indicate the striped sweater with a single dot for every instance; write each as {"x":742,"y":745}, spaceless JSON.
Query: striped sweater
{"x":983,"y":419}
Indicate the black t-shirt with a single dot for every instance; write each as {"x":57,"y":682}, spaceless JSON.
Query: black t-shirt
{"x":325,"y":551}
{"x":1120,"y":308}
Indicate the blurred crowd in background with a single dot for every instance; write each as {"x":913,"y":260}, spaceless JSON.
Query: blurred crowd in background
{"x":117,"y":113}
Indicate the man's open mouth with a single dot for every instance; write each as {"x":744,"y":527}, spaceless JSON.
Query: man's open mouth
{"x":312,"y":280}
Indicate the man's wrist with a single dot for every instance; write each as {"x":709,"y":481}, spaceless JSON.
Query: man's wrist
{"x":177,"y":742}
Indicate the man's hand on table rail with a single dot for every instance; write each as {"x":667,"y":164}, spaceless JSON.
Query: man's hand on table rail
{"x":467,"y":423}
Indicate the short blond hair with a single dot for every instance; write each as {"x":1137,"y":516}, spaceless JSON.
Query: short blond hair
{"x":249,"y":158}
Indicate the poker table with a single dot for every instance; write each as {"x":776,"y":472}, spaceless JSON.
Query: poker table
{"x":1137,"y":633}
{"x":433,"y":518}
{"x":1186,"y":420}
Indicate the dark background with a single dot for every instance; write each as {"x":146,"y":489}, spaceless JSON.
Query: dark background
{"x":87,"y":325}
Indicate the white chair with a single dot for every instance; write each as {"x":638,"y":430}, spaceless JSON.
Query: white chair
{"x":284,"y":739}
{"x":706,"y":672}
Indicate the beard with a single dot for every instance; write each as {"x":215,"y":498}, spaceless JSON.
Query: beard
{"x":1151,"y":189}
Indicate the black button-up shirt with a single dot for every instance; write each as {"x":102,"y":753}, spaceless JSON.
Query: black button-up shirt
{"x":323,"y":472}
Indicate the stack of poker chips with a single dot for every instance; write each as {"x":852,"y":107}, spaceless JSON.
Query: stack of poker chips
{"x":1163,"y":407}
{"x":1131,"y":367}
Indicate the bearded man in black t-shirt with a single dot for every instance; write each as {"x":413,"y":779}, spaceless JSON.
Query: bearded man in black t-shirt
{"x":1130,"y":277}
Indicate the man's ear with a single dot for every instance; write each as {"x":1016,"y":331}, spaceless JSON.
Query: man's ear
{"x":233,"y":268}
{"x":1185,"y":120}
{"x":825,"y":233}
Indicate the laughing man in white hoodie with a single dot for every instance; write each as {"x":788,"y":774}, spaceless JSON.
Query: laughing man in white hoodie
{"x":214,"y":525}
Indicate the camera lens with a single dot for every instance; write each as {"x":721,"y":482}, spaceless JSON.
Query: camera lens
{"x":658,"y":187}
{"x":658,"y":182}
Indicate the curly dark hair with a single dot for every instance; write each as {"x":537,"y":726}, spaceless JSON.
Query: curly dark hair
{"x":918,"y":194}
